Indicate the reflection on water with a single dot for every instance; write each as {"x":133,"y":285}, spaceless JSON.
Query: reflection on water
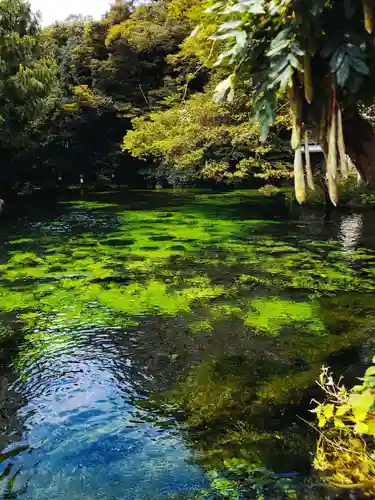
{"x":163,"y":345}
{"x":85,"y":438}
{"x":351,"y":230}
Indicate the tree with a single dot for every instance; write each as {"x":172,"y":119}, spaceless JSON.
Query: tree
{"x":111,"y":70}
{"x":199,"y":139}
{"x":318,"y":52}
{"x":28,"y":83}
{"x":27,"y":78}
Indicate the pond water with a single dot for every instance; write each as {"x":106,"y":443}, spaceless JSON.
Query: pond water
{"x":164,"y":345}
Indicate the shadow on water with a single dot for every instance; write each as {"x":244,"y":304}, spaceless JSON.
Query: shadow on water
{"x":164,"y":345}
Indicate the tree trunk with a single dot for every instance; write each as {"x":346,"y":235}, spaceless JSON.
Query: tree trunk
{"x":360,"y":144}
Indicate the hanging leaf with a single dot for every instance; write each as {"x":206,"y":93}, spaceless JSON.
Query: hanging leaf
{"x":309,"y":175}
{"x":353,"y":51}
{"x":368,"y":14}
{"x":332,"y":150}
{"x":332,"y":190}
{"x":299,"y":179}
{"x":341,"y":146}
{"x":284,"y":78}
{"x":296,"y":49}
{"x":307,"y":78}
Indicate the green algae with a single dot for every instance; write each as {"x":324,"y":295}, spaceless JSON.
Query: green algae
{"x":271,"y":314}
{"x":88,"y":204}
{"x":258,"y":310}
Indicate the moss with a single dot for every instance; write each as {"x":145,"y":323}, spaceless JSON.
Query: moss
{"x":270,"y":314}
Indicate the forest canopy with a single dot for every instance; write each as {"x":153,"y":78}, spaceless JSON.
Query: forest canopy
{"x":186,"y":92}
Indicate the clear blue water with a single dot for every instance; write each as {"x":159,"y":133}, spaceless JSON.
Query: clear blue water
{"x":85,"y":436}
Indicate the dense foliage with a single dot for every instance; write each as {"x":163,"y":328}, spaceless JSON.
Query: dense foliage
{"x":345,"y":451}
{"x":201,"y":139}
{"x":77,"y":87}
{"x":138,"y":97}
{"x":27,"y":79}
{"x":321,"y":54}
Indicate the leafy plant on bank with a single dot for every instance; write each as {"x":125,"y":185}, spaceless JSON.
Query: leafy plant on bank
{"x":346,"y":419}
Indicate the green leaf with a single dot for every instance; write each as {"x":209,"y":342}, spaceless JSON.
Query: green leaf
{"x":296,"y":49}
{"x":223,"y":55}
{"x":353,"y":50}
{"x":370,"y":371}
{"x":282,"y":35}
{"x":337,"y":59}
{"x":342,"y":410}
{"x":328,"y":410}
{"x":264,"y":110}
{"x":361,"y":403}
{"x":359,"y":65}
{"x":278,"y":67}
{"x":214,"y":7}
{"x":371,"y":427}
{"x":275,"y":49}
{"x":339,"y":423}
{"x":223,"y":88}
{"x":254,"y":7}
{"x":321,"y":421}
{"x":342,"y":73}
{"x":285,"y":77}
{"x":361,"y":428}
{"x":294,"y":61}
{"x":240,"y":36}
{"x":230,"y":25}
{"x":358,"y":388}
{"x":264,"y":130}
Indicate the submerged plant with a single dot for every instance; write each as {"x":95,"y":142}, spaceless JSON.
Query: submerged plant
{"x":346,"y":447}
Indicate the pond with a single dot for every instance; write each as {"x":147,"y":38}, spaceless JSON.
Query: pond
{"x":165,"y":345}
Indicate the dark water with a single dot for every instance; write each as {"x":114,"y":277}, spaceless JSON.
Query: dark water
{"x":165,"y":345}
